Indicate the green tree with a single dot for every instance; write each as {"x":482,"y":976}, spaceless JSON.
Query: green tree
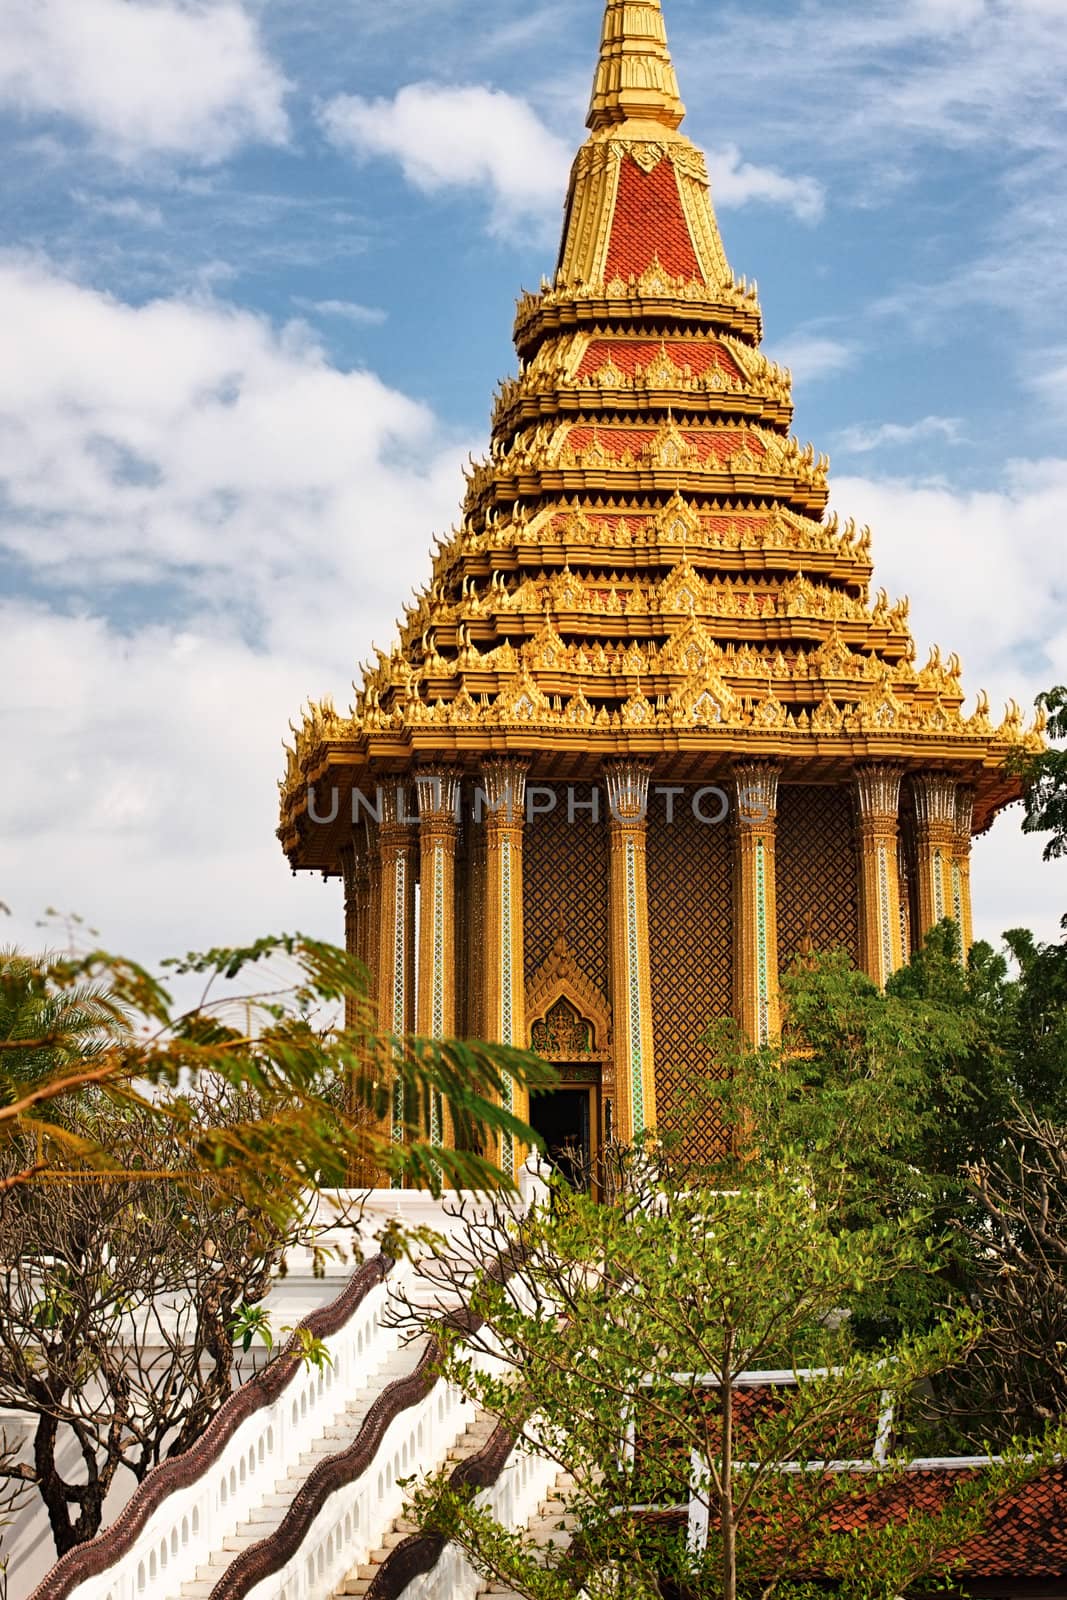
{"x":1046,"y":778}
{"x":1015,"y":1378}
{"x":301,"y":1051}
{"x":889,"y":1096}
{"x":1039,"y":1046}
{"x":938,"y":1094}
{"x":619,"y":1340}
{"x":119,"y":1302}
{"x":189,"y":1139}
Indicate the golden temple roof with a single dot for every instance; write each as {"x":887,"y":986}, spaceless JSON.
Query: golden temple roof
{"x":645,"y":563}
{"x":635,"y":75}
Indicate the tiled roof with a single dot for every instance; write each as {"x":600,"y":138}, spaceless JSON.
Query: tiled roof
{"x":650,"y":223}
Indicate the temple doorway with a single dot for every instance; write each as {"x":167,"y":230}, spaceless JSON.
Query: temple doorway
{"x":564,"y":1119}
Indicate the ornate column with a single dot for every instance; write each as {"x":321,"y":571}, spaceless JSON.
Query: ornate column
{"x":935,"y":796}
{"x":904,"y":881}
{"x":876,"y":791}
{"x":477,"y":900}
{"x":370,"y":940}
{"x":355,"y":869}
{"x":438,"y":793}
{"x":504,"y":786}
{"x":756,"y":899}
{"x":398,"y":843}
{"x":635,"y":1104}
{"x":961,"y":867}
{"x":362,"y":878}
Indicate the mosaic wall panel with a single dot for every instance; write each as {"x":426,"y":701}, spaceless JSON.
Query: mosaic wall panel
{"x":565,"y":883}
{"x":464,"y":1012}
{"x":817,"y":872}
{"x":690,"y":922}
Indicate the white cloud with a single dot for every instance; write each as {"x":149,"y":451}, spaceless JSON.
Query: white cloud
{"x":736,"y":182}
{"x":346,"y":311}
{"x":481,"y":138}
{"x":812,"y":356}
{"x":143,"y":795}
{"x":189,"y":443}
{"x":186,"y":77}
{"x":861,"y":439}
{"x":986,"y":570}
{"x":1051,"y":386}
{"x":459,"y":138}
{"x":987,"y":577}
{"x":255,"y":516}
{"x":121,"y":210}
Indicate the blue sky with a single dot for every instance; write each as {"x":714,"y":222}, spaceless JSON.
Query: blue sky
{"x":258,"y":263}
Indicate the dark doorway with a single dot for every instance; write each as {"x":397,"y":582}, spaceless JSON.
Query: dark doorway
{"x":561,"y":1117}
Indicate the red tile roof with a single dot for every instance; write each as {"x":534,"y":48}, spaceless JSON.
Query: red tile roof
{"x":721,"y":442}
{"x":649,"y":223}
{"x":699,"y":356}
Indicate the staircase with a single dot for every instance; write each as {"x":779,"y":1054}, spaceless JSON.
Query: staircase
{"x":359,"y":1580}
{"x":552,"y":1525}
{"x":271,"y":1511}
{"x":296,"y":1489}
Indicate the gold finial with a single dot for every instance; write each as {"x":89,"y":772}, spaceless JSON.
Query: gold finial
{"x":635,"y":75}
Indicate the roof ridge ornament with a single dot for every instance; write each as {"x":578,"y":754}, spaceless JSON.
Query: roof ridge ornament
{"x":635,"y":77}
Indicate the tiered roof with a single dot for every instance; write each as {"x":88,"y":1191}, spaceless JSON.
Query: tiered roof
{"x":645,"y":563}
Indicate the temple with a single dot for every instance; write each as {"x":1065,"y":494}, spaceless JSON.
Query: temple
{"x":646,"y":735}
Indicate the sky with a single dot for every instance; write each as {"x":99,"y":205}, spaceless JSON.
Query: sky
{"x":258,"y":265}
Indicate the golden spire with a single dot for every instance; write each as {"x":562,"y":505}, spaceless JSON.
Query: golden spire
{"x":635,"y":75}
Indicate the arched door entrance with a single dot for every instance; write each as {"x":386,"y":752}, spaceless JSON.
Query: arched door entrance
{"x":567,"y":1116}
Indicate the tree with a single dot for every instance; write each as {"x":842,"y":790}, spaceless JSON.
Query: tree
{"x":887,"y":1097}
{"x":619,"y":1337}
{"x":1046,"y":778}
{"x":119,"y":1302}
{"x":1040,"y":1024}
{"x":1016,"y":1376}
{"x":317,"y":1076}
{"x":118,"y":1314}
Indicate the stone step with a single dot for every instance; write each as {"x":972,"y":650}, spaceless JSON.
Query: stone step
{"x":245,"y":1535}
{"x":263,"y":1518}
{"x":391,"y":1540}
{"x":557,"y":1520}
{"x":359,"y":1579}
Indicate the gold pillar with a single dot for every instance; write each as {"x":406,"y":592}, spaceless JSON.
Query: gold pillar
{"x":903,"y":880}
{"x":355,"y":869}
{"x":398,"y":844}
{"x":876,"y":791}
{"x":756,"y":899}
{"x":370,"y":937}
{"x":362,"y":878}
{"x":477,"y":900}
{"x":935,"y":795}
{"x":961,"y":867}
{"x":635,"y":1106}
{"x":348,"y":873}
{"x":504,"y":806}
{"x":438,"y":792}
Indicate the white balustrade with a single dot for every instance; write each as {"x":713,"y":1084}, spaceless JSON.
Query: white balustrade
{"x":514,"y":1498}
{"x":356,"y":1518}
{"x":192,"y":1523}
